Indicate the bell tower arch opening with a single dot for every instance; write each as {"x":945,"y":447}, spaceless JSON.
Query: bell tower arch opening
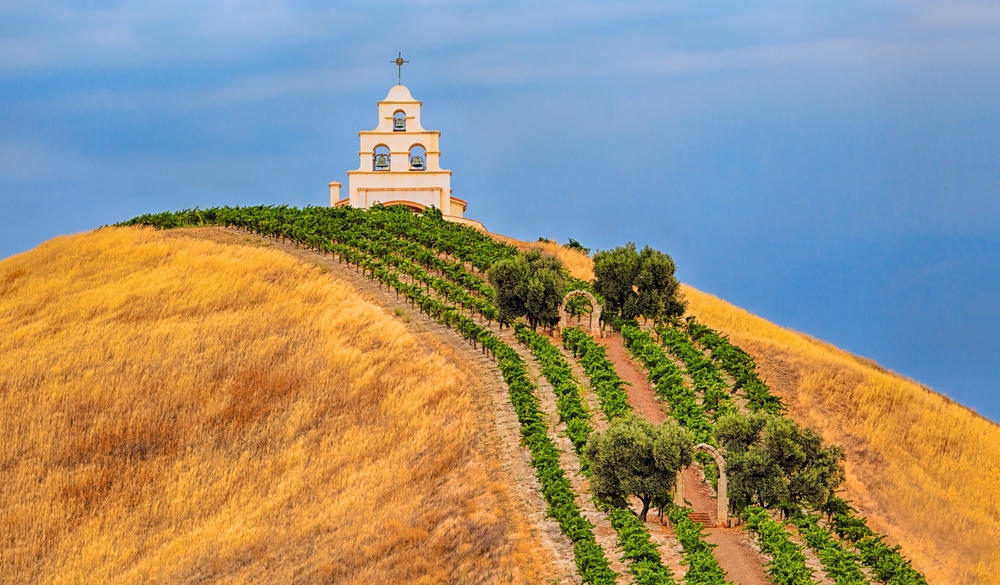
{"x":381,"y":158}
{"x":418,"y":158}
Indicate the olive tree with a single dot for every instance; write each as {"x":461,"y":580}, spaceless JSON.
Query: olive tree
{"x":508,"y":278}
{"x":532,"y":285}
{"x":637,"y":283}
{"x":774,"y":463}
{"x":635,"y":458}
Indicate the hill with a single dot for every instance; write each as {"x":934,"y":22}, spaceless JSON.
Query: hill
{"x":196,"y":379}
{"x":177,"y":409}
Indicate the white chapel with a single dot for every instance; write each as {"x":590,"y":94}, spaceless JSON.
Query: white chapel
{"x":399,"y":163}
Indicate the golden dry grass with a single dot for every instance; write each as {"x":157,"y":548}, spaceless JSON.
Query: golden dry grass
{"x":179,"y":410}
{"x":922,"y":468}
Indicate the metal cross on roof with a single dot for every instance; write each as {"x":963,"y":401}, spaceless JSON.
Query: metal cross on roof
{"x":399,"y":61}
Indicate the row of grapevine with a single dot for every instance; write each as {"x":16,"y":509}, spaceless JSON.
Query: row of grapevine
{"x":668,"y":382}
{"x":839,"y":564}
{"x":738,"y":364}
{"x":604,"y":380}
{"x":703,"y":568}
{"x":886,"y":562}
{"x":716,"y":399}
{"x":570,"y":405}
{"x":644,"y":561}
{"x":642,"y":555}
{"x":590,"y":558}
{"x":788,"y":564}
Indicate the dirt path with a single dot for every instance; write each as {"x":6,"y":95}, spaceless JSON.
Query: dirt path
{"x":504,"y":445}
{"x":737,"y":552}
{"x":641,"y":395}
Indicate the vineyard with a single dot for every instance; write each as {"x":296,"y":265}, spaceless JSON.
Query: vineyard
{"x":702,"y":380}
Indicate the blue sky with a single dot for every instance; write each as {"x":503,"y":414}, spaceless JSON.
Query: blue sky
{"x":832,"y":166}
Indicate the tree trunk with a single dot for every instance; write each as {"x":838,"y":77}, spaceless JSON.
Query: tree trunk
{"x":645,"y":508}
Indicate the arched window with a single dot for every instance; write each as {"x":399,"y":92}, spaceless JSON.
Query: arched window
{"x":418,"y":158}
{"x":380,"y":158}
{"x":399,"y":121}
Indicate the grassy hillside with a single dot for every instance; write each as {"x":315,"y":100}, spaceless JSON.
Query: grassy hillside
{"x":176,"y":409}
{"x":179,"y":409}
{"x":922,"y":468}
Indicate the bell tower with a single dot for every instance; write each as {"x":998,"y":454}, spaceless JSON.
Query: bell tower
{"x":399,"y":161}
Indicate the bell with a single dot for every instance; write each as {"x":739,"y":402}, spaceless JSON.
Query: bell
{"x":381,"y":161}
{"x":417,"y":162}
{"x":399,"y":124}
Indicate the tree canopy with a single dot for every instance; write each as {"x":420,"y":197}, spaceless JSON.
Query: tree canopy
{"x":635,"y":458}
{"x":530,"y":284}
{"x":637,"y":283}
{"x":775,"y":464}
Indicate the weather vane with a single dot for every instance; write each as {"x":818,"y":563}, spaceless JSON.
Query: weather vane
{"x":399,"y":61}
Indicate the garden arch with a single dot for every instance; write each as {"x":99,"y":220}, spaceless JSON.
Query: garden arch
{"x":595,"y":315}
{"x":722,"y":500}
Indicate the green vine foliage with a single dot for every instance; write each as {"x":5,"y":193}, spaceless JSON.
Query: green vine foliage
{"x":840,"y":564}
{"x":668,"y":381}
{"x":886,"y":562}
{"x":738,"y":364}
{"x":788,"y":564}
{"x":702,"y":567}
{"x":638,"y":550}
{"x":604,"y":380}
{"x":569,"y":403}
{"x":716,"y":398}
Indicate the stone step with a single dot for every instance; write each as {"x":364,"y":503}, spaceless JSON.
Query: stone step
{"x":702,"y":517}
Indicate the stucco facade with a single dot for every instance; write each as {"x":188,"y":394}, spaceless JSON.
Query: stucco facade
{"x":399,"y":162}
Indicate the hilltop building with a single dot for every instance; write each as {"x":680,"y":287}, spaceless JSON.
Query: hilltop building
{"x":400,"y":163}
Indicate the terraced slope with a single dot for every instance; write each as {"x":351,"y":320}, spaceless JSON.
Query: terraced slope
{"x":180,"y":410}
